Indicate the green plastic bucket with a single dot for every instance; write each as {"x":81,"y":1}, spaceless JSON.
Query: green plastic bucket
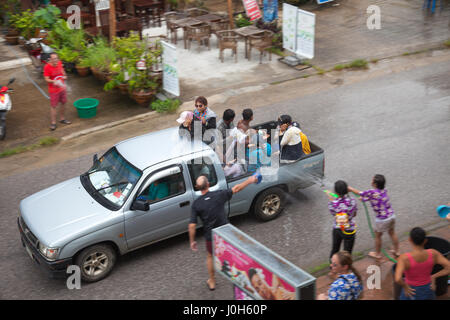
{"x":86,"y":107}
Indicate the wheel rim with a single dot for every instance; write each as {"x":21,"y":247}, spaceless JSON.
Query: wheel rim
{"x":271,"y":204}
{"x":95,"y":264}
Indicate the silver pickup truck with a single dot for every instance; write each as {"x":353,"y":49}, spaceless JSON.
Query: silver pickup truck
{"x":140,"y":192}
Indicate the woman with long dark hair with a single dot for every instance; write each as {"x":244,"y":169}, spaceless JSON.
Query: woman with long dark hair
{"x":348,"y":285}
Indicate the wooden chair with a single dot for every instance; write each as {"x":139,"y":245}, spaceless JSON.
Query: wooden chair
{"x":261,"y":42}
{"x":227,"y":39}
{"x":195,"y":12}
{"x":172,"y":29}
{"x":200,"y":32}
{"x":217,"y":26}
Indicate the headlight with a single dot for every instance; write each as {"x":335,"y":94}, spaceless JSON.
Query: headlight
{"x":49,"y":253}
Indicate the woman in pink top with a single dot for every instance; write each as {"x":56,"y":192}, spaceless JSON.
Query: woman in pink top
{"x":417,"y":266}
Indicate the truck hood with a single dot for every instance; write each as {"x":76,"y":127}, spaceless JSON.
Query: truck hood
{"x":64,"y":212}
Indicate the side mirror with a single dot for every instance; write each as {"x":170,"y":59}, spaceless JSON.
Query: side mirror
{"x":11,"y":81}
{"x":95,"y":159}
{"x":140,"y":205}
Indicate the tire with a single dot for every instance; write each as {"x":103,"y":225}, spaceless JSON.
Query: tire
{"x":269,"y":204}
{"x":96,"y":262}
{"x":2,"y":130}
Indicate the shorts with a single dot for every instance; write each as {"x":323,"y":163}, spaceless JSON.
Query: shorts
{"x":209,"y":246}
{"x":422,"y":293}
{"x":56,"y":97}
{"x":384,"y":226}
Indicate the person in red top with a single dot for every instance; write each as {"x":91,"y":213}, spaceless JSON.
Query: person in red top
{"x":417,"y":266}
{"x":55,"y":75}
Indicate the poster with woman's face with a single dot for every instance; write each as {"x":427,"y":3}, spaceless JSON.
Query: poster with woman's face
{"x":249,"y":275}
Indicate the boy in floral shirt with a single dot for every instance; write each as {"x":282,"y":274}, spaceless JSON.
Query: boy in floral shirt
{"x":384,"y":218}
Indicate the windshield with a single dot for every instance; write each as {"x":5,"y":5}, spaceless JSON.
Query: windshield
{"x":113,"y":177}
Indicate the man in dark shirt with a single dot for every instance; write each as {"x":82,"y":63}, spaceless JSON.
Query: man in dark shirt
{"x":210,"y":208}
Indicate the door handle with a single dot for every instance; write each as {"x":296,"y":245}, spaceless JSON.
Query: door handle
{"x":184,"y":204}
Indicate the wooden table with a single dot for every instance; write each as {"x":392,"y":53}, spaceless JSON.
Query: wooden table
{"x":245,"y":32}
{"x":208,"y":18}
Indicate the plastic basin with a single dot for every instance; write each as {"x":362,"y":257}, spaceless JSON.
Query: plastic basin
{"x":86,"y":107}
{"x":443,"y":211}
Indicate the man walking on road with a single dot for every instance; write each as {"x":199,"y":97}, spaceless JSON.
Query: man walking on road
{"x":55,"y":75}
{"x":210,"y":208}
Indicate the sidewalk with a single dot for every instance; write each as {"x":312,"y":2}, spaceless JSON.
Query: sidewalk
{"x":387,"y":288}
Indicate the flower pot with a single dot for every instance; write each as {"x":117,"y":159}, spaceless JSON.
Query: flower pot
{"x":13,"y":32}
{"x":142,"y":97}
{"x":69,"y":66}
{"x":123,"y":88}
{"x":82,"y":71}
{"x":13,"y":40}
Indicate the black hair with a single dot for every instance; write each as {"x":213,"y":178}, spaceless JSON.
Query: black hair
{"x":228,"y":115}
{"x":285,"y":119}
{"x":202,"y":100}
{"x":247,"y":114}
{"x":379,"y":181}
{"x":340,"y":187}
{"x":251,"y":273}
{"x":417,"y":236}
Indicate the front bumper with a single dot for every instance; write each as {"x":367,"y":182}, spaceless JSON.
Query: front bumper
{"x":54,"y":269}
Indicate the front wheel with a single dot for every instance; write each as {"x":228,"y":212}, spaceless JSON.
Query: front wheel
{"x":269,"y":204}
{"x":96,"y":262}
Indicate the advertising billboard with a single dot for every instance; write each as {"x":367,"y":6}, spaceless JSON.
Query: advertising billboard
{"x":257,"y":272}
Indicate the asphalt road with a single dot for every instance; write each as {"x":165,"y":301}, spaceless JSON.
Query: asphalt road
{"x":397,"y":125}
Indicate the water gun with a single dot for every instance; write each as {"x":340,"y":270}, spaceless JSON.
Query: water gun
{"x":334,"y":195}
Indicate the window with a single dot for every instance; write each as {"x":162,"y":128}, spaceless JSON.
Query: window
{"x":111,"y":179}
{"x":164,"y":188}
{"x":202,"y":167}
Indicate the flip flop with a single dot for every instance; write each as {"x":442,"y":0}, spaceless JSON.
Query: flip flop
{"x":207,"y":284}
{"x":53,"y":126}
{"x":65,"y":121}
{"x":397,"y":254}
{"x":374,"y":255}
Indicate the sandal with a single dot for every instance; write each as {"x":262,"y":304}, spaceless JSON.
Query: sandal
{"x":65,"y":121}
{"x":373,"y":254}
{"x":207,"y":284}
{"x":53,"y":126}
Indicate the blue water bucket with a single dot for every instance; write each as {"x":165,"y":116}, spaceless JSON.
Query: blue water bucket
{"x":443,"y":211}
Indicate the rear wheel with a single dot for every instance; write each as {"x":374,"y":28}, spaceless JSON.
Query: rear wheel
{"x":96,"y":262}
{"x":269,"y":204}
{"x":2,"y":129}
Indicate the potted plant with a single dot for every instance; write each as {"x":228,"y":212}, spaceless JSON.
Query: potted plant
{"x":100,"y":56}
{"x":142,"y":87}
{"x":83,"y":66}
{"x":46,"y":17}
{"x":69,"y":58}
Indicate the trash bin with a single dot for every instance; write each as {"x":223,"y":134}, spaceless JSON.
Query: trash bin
{"x":443,"y":246}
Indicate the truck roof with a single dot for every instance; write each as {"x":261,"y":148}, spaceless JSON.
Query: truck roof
{"x":155,"y":147}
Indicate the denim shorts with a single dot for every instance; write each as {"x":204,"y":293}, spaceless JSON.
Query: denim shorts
{"x":422,"y":293}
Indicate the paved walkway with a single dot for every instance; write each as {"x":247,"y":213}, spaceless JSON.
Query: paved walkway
{"x":386,"y":292}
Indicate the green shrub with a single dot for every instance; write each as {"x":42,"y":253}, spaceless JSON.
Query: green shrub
{"x":169,"y":105}
{"x":242,"y":21}
{"x":358,"y":64}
